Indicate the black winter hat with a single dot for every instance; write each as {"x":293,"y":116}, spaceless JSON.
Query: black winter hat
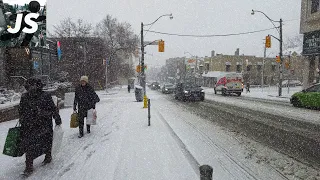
{"x":33,"y":81}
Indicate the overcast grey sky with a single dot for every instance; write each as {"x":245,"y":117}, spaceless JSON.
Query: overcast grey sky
{"x":199,"y":17}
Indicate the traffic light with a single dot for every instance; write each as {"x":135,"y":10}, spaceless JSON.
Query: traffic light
{"x":138,"y":69}
{"x":287,"y":64}
{"x":268,"y":41}
{"x":161,"y":46}
{"x":278,"y":60}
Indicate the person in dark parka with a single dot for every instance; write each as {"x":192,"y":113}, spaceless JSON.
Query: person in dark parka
{"x":36,"y":110}
{"x":86,"y":99}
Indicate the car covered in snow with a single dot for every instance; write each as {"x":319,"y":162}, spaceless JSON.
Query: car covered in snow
{"x":309,"y":98}
{"x":189,"y":91}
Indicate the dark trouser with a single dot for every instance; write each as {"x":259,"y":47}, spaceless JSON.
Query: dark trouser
{"x":82,"y":115}
{"x":30,"y":158}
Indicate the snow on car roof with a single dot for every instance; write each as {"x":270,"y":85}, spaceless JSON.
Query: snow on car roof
{"x":218,"y":73}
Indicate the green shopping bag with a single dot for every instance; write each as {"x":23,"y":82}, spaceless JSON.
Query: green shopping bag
{"x":74,"y":123}
{"x":11,"y":146}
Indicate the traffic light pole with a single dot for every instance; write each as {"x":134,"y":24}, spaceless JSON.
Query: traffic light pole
{"x":264,"y":57}
{"x":142,"y":82}
{"x":281,"y":61}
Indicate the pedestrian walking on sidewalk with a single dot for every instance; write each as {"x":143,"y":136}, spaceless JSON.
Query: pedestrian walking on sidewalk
{"x":129,"y":88}
{"x":86,"y":99}
{"x":36,"y":110}
{"x":248,"y":87}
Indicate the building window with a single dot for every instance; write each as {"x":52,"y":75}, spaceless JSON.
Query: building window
{"x":228,"y":68}
{"x":315,"y":6}
{"x":259,"y":67}
{"x":207,"y":67}
{"x":249,"y":68}
{"x":238,"y":68}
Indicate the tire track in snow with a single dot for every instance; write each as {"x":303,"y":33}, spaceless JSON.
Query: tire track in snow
{"x":211,"y":143}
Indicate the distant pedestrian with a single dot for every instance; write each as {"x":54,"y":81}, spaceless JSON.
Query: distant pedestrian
{"x":36,"y":110}
{"x":86,"y":99}
{"x":129,"y":88}
{"x":248,"y":87}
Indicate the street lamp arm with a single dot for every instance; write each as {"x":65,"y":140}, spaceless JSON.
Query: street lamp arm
{"x":272,"y":21}
{"x":158,"y":19}
{"x":151,"y":43}
{"x":274,"y":37}
{"x":188,"y":53}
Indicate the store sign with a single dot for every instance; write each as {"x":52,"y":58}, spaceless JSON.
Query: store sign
{"x":311,"y":43}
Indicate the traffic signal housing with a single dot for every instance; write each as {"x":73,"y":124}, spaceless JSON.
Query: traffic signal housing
{"x":287,"y":64}
{"x":278,"y":60}
{"x":268,"y":41}
{"x":161,"y":46}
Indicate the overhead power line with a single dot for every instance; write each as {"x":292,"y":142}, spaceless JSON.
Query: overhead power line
{"x":213,"y":35}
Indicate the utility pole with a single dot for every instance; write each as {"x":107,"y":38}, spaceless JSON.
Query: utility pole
{"x":281,"y":61}
{"x":143,"y":84}
{"x":264,"y":57}
{"x":106,"y":73}
{"x":85,"y":58}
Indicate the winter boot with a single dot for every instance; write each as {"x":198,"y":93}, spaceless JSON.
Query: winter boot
{"x":88,"y":128}
{"x":80,"y":133}
{"x":47,"y":159}
{"x":29,"y":168}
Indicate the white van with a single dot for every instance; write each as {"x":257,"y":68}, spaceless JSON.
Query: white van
{"x":229,"y":83}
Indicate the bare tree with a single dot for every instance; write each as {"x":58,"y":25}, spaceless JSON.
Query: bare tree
{"x":68,"y":28}
{"x":120,"y":42}
{"x":293,"y":44}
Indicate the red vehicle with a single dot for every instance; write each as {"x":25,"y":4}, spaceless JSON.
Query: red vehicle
{"x":229,"y":83}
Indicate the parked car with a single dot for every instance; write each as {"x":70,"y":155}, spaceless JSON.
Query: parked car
{"x":188,"y":91}
{"x":155,"y":86}
{"x":168,"y":88}
{"x":229,"y":83}
{"x":309,"y":98}
{"x":291,"y":83}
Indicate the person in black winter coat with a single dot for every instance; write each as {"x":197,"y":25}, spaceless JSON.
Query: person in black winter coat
{"x":129,"y":87}
{"x":86,"y":99}
{"x":36,"y":110}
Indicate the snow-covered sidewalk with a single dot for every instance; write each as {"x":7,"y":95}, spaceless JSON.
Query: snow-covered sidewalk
{"x":121,"y":146}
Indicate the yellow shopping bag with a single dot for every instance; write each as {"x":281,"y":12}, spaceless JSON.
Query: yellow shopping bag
{"x":74,"y":123}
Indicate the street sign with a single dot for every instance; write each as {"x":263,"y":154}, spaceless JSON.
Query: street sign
{"x":311,"y":43}
{"x":35,"y":65}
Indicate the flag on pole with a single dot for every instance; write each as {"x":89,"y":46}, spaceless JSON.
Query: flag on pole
{"x":59,"y":50}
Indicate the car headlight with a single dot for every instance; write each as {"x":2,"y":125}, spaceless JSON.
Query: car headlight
{"x":186,"y":92}
{"x":166,"y":89}
{"x":202,"y":90}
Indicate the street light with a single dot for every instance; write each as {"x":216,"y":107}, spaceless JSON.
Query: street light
{"x":281,"y":41}
{"x":143,"y":78}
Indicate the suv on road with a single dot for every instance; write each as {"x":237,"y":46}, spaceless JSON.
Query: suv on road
{"x":168,"y":88}
{"x":189,"y":91}
{"x":155,"y":86}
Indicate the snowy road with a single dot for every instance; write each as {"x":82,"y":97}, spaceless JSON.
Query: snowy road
{"x":181,"y":137}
